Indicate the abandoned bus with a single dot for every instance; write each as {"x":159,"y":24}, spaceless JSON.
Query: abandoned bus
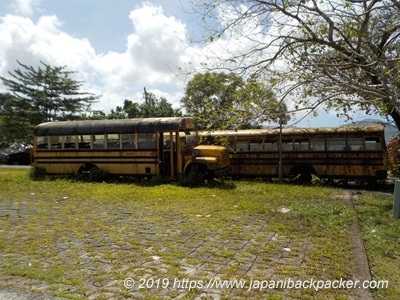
{"x":138,"y":147}
{"x":349,"y":152}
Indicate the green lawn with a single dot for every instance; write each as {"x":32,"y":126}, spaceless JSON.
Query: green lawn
{"x":81,"y":240}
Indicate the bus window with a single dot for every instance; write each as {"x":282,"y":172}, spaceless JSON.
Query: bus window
{"x":191,"y":137}
{"x":336,"y":144}
{"x":42,"y":143}
{"x":317,"y":144}
{"x":256,"y":145}
{"x":301,"y":145}
{"x":169,"y":141}
{"x":242,"y":146}
{"x":84,"y":142}
{"x":55,"y":142}
{"x":112,"y":141}
{"x":287,"y":145}
{"x":355,"y":144}
{"x":146,"y":141}
{"x":69,"y":142}
{"x":373,"y":144}
{"x":98,"y":141}
{"x":271,"y":146}
{"x":231,"y":146}
{"x":128,"y":141}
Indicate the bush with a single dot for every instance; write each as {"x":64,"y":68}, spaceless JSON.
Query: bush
{"x":394,"y":156}
{"x":194,"y":178}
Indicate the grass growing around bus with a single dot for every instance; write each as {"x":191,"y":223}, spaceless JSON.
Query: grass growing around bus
{"x":80,"y":240}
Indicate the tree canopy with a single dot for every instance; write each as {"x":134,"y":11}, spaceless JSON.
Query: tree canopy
{"x":340,"y":54}
{"x":38,"y":95}
{"x":150,"y":107}
{"x":227,"y":101}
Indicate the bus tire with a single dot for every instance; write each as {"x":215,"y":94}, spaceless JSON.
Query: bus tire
{"x":199,"y":170}
{"x":304,"y":173}
{"x":86,"y":168}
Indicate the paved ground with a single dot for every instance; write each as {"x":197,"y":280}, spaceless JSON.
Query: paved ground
{"x":212,"y":256}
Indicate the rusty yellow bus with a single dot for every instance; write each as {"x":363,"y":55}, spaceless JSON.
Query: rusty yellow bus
{"x":350,"y":152}
{"x":139,"y":147}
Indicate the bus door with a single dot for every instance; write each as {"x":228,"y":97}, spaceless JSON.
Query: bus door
{"x":169,"y":143}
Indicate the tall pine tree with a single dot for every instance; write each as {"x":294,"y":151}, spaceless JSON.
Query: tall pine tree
{"x":38,"y":95}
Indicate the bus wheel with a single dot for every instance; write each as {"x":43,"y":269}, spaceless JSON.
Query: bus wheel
{"x":195,"y":175}
{"x":304,"y":173}
{"x":305,"y":177}
{"x":86,"y":169}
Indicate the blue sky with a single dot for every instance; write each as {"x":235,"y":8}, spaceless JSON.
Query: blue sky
{"x":117,"y":47}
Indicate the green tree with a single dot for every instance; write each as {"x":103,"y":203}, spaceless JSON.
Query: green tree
{"x":226,"y":101}
{"x":46,"y":94}
{"x":150,"y":107}
{"x":14,"y":126}
{"x":338,"y":54}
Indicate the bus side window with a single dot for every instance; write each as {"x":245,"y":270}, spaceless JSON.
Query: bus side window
{"x":242,"y":146}
{"x":287,"y":145}
{"x":336,"y":144}
{"x":42,"y":143}
{"x":98,"y":141}
{"x":355,"y":144}
{"x":146,"y":141}
{"x":55,"y":142}
{"x":256,"y":145}
{"x":301,"y":145}
{"x":373,"y":144}
{"x":84,"y":142}
{"x":128,"y":141}
{"x":69,"y":142}
{"x":271,"y":146}
{"x":112,"y":141}
{"x":317,"y":144}
{"x":231,"y":146}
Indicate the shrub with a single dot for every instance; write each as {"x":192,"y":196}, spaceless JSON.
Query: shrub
{"x":394,"y":156}
{"x":193,"y":178}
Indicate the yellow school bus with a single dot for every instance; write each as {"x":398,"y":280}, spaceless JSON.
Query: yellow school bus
{"x":137,"y":147}
{"x":349,"y":152}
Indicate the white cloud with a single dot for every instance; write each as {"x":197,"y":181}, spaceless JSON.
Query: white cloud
{"x":155,"y":49}
{"x":25,"y":7}
{"x":31,"y":43}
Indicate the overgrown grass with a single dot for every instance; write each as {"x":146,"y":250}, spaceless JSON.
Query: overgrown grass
{"x":79,"y":239}
{"x":381,"y":234}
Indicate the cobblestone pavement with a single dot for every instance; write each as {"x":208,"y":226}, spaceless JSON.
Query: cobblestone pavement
{"x":162,"y":256}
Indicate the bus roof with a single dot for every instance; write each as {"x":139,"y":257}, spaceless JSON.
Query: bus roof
{"x":302,"y":131}
{"x":144,"y":125}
